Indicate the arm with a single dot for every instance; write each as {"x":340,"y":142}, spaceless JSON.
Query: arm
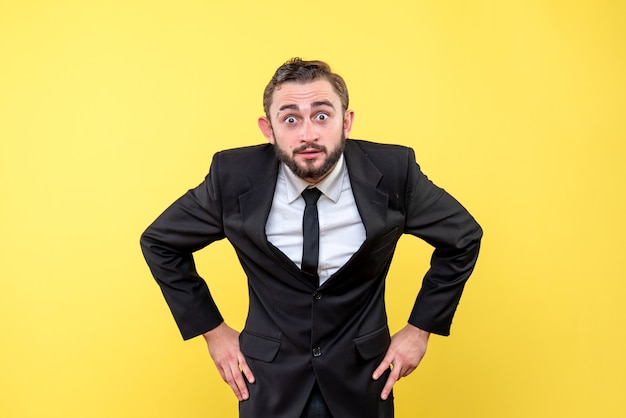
{"x":437,"y":218}
{"x":189,"y":224}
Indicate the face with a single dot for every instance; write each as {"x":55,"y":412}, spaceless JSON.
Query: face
{"x":307,"y":127}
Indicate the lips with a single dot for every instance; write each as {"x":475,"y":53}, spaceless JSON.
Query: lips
{"x":309,"y":153}
{"x":310,"y":150}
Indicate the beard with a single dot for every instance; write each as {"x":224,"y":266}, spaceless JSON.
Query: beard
{"x":308,"y":171}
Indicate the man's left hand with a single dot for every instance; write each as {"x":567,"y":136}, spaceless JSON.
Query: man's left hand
{"x":404,"y":354}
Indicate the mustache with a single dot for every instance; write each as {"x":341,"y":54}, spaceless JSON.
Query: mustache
{"x":310,"y":146}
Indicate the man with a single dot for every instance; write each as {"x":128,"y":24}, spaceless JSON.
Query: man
{"x":316,"y":340}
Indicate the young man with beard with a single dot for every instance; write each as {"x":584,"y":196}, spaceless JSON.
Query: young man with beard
{"x":316,"y":340}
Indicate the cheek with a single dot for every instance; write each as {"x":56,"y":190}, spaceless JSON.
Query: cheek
{"x":282,"y":143}
{"x":284,"y":139}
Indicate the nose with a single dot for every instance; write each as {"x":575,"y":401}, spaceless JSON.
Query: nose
{"x":308,"y":133}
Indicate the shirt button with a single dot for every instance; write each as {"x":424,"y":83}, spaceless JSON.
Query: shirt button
{"x":317,"y":295}
{"x":317,"y":351}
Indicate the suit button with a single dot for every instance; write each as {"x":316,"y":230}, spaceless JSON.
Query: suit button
{"x":317,"y":295}
{"x":317,"y":352}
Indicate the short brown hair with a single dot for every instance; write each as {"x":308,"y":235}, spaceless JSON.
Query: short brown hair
{"x":300,"y":71}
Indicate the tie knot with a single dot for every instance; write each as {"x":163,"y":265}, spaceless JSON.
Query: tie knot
{"x":311,"y":195}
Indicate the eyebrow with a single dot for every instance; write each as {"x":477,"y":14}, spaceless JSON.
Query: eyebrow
{"x":313,"y":105}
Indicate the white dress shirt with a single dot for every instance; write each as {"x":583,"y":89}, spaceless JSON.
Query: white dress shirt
{"x":341,"y":229}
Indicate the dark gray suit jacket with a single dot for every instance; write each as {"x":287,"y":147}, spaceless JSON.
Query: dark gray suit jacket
{"x":297,"y":333}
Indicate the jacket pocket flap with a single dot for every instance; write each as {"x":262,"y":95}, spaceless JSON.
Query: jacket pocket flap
{"x":374,"y":344}
{"x":257,"y":347}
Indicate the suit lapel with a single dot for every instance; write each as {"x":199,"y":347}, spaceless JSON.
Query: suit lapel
{"x":364,"y":178}
{"x":255,"y":209}
{"x":256,"y":203}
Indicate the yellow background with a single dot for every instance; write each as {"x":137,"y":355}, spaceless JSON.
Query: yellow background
{"x":109,"y":110}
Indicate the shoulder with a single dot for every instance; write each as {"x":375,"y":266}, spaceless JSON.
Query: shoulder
{"x":372,"y":145}
{"x":382,"y":155}
{"x":373,"y":149}
{"x":248,"y":164}
{"x":248,"y":151}
{"x":254,"y":157}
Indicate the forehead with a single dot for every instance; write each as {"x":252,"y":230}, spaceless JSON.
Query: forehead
{"x":303,"y":94}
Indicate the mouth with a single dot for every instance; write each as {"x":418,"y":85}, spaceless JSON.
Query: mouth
{"x":310,"y":152}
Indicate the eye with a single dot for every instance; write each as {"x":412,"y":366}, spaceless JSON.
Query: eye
{"x":290,"y":120}
{"x":321,"y":117}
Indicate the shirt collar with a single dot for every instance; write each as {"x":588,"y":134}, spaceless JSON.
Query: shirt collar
{"x":331,"y":185}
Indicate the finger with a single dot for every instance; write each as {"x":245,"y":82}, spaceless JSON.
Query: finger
{"x":241,"y":386}
{"x":245,"y":369}
{"x":408,"y":371}
{"x":236,"y":382}
{"x":394,"y":376}
{"x":382,"y":368}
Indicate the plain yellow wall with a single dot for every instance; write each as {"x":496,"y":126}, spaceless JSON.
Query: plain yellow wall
{"x":109,"y":110}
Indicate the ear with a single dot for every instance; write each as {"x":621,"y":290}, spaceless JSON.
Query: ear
{"x":266,"y":128}
{"x":348,"y":118}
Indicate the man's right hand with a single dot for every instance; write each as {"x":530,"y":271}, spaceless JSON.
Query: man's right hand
{"x":223,"y":344}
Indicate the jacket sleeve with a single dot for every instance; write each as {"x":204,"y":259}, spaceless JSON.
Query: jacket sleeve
{"x":189,"y":224}
{"x":437,"y":218}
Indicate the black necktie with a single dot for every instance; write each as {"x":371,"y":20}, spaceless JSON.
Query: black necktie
{"x":310,"y":232}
